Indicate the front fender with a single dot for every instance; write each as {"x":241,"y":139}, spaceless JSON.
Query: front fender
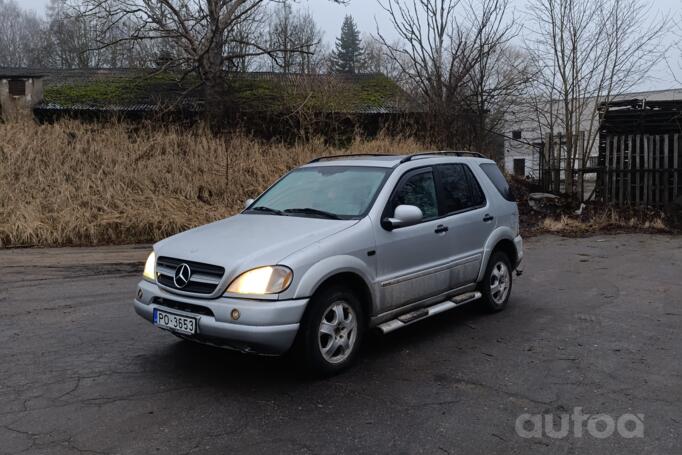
{"x":328,"y":267}
{"x":500,"y":233}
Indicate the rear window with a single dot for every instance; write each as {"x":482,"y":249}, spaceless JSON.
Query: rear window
{"x":497,"y":179}
{"x":459,"y":189}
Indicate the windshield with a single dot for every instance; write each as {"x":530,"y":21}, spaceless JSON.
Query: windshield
{"x":336,"y":192}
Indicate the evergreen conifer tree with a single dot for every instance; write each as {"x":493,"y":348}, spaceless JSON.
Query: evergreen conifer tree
{"x":349,"y":55}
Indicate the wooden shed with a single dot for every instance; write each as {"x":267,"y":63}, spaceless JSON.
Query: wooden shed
{"x":640,"y":153}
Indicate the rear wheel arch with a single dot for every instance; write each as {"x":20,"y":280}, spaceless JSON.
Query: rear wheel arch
{"x":507,"y":247}
{"x":500,"y":240}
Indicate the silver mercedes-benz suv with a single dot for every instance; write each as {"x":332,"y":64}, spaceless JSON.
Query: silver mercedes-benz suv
{"x":336,"y":247}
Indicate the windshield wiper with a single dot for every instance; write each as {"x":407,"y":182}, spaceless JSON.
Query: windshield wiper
{"x":314,"y":212}
{"x":262,"y":208}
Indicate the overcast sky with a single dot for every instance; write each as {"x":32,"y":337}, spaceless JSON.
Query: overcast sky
{"x":329,"y":17}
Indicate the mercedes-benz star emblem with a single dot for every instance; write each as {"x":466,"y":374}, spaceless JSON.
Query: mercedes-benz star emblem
{"x":182,"y":275}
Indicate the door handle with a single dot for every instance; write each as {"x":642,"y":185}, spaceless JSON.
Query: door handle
{"x":441,"y":229}
{"x":488,"y":217}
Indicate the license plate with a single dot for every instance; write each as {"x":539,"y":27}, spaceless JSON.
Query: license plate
{"x":175,"y":322}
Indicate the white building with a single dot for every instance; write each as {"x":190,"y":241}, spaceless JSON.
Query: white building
{"x":524,"y":136}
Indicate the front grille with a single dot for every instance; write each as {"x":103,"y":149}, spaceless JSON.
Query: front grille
{"x":204,"y":277}
{"x":182,"y":306}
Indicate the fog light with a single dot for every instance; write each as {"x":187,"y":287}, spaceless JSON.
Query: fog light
{"x":235,"y":314}
{"x":139,"y":294}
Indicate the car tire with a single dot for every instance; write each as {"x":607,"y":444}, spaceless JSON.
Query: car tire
{"x":331,"y":333}
{"x":497,"y":282}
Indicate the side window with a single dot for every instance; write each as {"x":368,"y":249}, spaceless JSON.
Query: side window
{"x":459,"y":189}
{"x":497,"y":179}
{"x":419,"y":190}
{"x":478,"y":197}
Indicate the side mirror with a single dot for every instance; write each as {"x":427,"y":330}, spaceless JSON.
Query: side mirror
{"x":405,"y":215}
{"x":248,"y":203}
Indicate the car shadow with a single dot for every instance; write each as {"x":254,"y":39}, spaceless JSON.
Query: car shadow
{"x":193,"y":362}
{"x":425,"y":333}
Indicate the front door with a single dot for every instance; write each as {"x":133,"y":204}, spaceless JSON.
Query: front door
{"x":412,"y":261}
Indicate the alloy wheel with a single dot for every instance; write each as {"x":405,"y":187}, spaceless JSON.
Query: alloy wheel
{"x":500,"y":280}
{"x":337,"y":333}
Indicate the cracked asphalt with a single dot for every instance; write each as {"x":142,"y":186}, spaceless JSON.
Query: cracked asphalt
{"x":594,"y":323}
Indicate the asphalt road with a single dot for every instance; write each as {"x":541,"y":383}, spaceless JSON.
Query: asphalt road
{"x":594,"y":323}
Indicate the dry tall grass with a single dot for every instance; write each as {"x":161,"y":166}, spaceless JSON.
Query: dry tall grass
{"x":87,"y":184}
{"x":610,"y":220}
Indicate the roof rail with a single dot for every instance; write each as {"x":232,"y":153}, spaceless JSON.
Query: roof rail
{"x":447,"y":152}
{"x":331,"y":157}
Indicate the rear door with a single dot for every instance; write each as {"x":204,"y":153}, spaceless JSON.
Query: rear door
{"x":466,"y":214}
{"x":412,"y":262}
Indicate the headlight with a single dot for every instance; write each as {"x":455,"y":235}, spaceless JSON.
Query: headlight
{"x":150,"y":267}
{"x":263,"y":280}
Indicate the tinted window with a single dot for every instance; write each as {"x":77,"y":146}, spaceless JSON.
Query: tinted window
{"x":496,"y":177}
{"x":460,"y":190}
{"x":419,"y":190}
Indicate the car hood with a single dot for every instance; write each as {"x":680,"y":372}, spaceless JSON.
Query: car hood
{"x":245,"y":241}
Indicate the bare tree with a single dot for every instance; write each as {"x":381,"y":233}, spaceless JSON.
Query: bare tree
{"x":295,"y":38}
{"x":22,"y":35}
{"x":239,"y":39}
{"x":499,"y":76}
{"x":204,"y":32}
{"x":586,"y":52}
{"x":73,"y":37}
{"x":281,"y":36}
{"x":676,"y":64}
{"x":378,"y":59}
{"x":441,"y":44}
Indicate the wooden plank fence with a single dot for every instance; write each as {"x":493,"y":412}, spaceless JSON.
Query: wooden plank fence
{"x":641,"y":169}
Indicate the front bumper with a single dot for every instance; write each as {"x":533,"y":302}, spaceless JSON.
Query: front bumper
{"x":265,"y":327}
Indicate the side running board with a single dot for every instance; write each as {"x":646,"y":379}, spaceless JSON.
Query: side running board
{"x":423,"y":313}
